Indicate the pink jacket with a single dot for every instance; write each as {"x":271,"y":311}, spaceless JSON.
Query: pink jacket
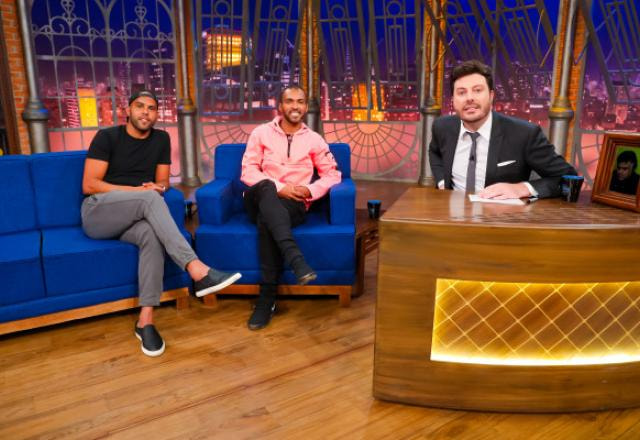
{"x":269,"y":156}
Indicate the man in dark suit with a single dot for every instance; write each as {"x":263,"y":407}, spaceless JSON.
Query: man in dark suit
{"x":481,"y":150}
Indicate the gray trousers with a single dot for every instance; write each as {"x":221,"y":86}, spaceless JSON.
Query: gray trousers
{"x":141,"y":218}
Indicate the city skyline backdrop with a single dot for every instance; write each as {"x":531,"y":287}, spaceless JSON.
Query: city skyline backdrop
{"x":88,"y":69}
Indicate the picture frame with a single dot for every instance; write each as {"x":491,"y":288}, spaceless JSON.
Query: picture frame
{"x":618,"y":172}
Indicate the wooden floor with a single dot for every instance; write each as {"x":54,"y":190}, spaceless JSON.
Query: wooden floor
{"x":306,"y":376}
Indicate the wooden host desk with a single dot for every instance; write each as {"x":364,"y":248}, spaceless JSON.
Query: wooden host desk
{"x":509,"y":308}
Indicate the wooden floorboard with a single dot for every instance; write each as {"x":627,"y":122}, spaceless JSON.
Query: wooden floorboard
{"x":306,"y":376}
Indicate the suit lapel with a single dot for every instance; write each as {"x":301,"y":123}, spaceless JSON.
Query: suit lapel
{"x":495,"y":144}
{"x":450,"y":150}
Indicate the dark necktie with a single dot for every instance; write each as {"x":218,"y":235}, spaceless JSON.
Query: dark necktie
{"x":471,"y":167}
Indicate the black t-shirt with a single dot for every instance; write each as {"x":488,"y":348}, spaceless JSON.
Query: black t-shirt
{"x":131,"y":161}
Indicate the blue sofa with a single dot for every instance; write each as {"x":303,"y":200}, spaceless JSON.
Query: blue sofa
{"x":50,"y":271}
{"x":227,"y":240}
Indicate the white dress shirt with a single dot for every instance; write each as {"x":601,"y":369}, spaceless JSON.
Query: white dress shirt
{"x":461,"y":158}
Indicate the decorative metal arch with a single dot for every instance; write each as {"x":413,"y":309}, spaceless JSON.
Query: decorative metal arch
{"x":370,"y":83}
{"x":91,"y":54}
{"x":344,"y":58}
{"x":516,"y":38}
{"x":370,"y":68}
{"x":246,"y":52}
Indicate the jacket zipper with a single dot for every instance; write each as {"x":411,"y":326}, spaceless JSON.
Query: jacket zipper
{"x":289,"y":140}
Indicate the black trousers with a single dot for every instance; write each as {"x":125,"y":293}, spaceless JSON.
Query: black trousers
{"x":274,"y":218}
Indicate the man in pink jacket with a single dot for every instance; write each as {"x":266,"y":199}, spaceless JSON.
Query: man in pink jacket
{"x":278,"y":166}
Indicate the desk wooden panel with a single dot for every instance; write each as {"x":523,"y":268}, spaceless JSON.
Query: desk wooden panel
{"x":429,"y":235}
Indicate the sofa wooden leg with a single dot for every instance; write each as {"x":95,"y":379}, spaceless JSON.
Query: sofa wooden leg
{"x":211,"y":301}
{"x":345,"y":298}
{"x":182,"y":302}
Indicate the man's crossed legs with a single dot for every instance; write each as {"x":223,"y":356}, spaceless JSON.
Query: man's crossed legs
{"x":274,"y":218}
{"x":142,"y":218}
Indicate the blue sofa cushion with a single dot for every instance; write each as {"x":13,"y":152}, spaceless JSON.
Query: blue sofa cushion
{"x":216,"y":201}
{"x":234,"y":246}
{"x":59,"y":303}
{"x":175,"y":201}
{"x":342,"y":154}
{"x":58,"y":184}
{"x":228,"y":158}
{"x":74,"y":262}
{"x":20,"y":269}
{"x":17,"y":208}
{"x":57,"y":180}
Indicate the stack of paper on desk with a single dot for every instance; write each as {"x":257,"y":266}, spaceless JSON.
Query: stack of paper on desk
{"x":476,"y":198}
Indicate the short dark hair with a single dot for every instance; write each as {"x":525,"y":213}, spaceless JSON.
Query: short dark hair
{"x":290,"y":87}
{"x":628,"y":156}
{"x":468,"y":68}
{"x":143,"y":92}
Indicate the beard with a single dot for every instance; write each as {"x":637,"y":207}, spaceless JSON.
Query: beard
{"x":473,"y":118}
{"x":293,"y":121}
{"x":140,"y":126}
{"x":481,"y":112}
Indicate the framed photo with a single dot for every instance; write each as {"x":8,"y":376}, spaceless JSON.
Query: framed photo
{"x":618,"y":172}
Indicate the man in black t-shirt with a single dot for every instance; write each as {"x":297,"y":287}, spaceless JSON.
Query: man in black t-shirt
{"x":125,"y":174}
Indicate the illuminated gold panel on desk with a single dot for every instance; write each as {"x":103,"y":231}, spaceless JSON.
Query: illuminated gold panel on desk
{"x":536,"y":323}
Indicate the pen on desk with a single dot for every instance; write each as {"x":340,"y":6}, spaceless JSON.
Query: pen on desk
{"x":532,"y":199}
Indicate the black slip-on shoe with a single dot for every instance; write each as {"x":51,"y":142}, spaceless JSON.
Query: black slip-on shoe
{"x":262,"y":313}
{"x":214,"y":281}
{"x":152,"y":343}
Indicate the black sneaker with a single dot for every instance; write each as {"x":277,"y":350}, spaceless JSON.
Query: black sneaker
{"x":214,"y":281}
{"x":262,"y":312}
{"x":152,"y":343}
{"x":303,"y":272}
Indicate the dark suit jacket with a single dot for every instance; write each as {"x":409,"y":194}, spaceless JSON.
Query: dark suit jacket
{"x":512,"y":139}
{"x":627,"y":186}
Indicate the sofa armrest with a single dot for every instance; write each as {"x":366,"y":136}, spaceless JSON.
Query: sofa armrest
{"x":175,"y":201}
{"x":342,"y":199}
{"x":215,"y":202}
